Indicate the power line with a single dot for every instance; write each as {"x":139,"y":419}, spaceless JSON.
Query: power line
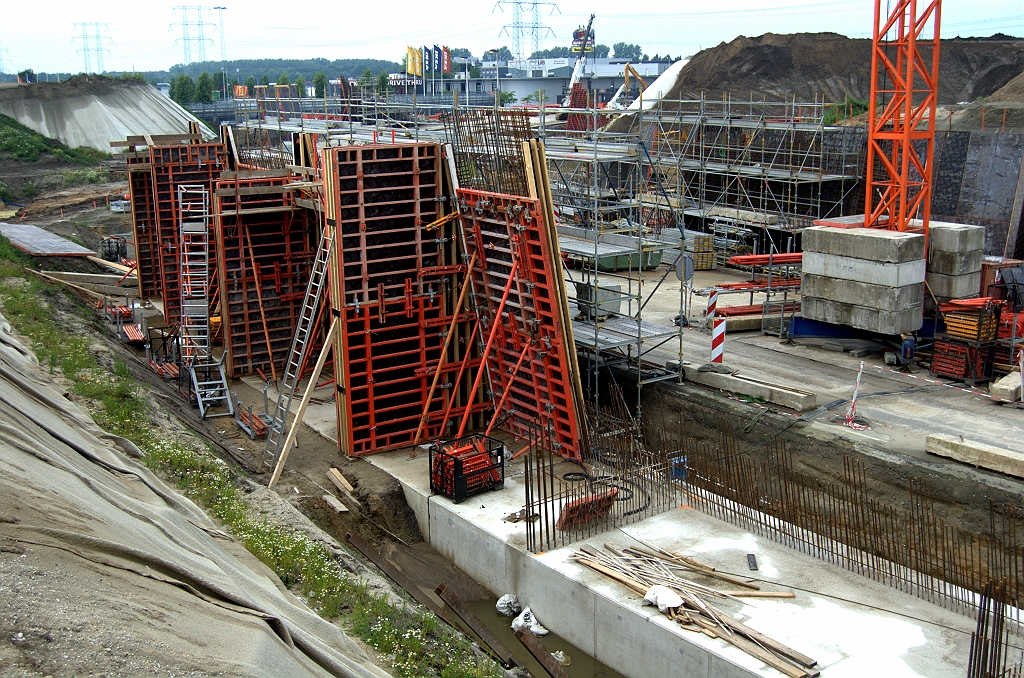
{"x":520,"y":27}
{"x":192,"y":32}
{"x":91,"y":44}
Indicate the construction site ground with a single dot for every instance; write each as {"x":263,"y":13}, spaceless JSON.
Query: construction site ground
{"x":914,"y":406}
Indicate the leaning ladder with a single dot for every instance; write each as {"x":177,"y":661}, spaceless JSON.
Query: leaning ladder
{"x":300,"y":344}
{"x":206,"y":375}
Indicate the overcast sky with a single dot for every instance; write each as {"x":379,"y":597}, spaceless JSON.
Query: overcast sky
{"x":145,"y":35}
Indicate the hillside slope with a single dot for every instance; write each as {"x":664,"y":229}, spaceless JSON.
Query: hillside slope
{"x":833,"y":66}
{"x":93,"y":110}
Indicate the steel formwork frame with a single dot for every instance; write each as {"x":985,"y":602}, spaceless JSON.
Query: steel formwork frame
{"x":517,"y":302}
{"x":266,"y":248}
{"x":394,"y":280}
{"x":905,"y":44}
{"x":145,"y":232}
{"x":171,"y":166}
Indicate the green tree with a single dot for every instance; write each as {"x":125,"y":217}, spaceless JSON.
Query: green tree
{"x":624,"y":50}
{"x":506,"y":98}
{"x":553,"y":53}
{"x":474,"y":71}
{"x":27,"y":75}
{"x":367,"y":78}
{"x":265,"y":80}
{"x":503,"y":53}
{"x":461,"y":53}
{"x":183,"y":89}
{"x":137,"y":77}
{"x":283,"y":79}
{"x":250,"y":82}
{"x":204,"y":88}
{"x":320,"y":84}
{"x":601,"y":51}
{"x":382,"y":82}
{"x":300,"y":85}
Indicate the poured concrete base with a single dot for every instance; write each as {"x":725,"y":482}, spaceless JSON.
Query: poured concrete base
{"x":853,"y":626}
{"x":861,"y":317}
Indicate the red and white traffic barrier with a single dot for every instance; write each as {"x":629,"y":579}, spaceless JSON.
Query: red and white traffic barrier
{"x":712,"y":305}
{"x":717,"y":340}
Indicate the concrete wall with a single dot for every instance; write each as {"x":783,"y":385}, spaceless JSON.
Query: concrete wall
{"x":978,"y":180}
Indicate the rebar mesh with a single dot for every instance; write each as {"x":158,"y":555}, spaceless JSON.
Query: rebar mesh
{"x":488,"y":149}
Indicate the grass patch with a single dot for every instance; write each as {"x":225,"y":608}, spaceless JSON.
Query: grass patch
{"x":849,"y":108}
{"x":411,"y":641}
{"x":86,"y":175}
{"x":26,"y":145}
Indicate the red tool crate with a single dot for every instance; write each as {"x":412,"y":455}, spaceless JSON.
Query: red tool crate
{"x":959,"y":360}
{"x":466,"y":466}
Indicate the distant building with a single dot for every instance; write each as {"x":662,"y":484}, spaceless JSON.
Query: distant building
{"x":165,"y":88}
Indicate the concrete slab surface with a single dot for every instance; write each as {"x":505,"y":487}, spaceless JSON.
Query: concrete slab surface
{"x":42,"y":243}
{"x":944,"y":236}
{"x":853,"y":626}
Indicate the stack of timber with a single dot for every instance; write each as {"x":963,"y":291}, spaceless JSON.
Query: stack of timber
{"x":638,"y":569}
{"x":955,"y":253}
{"x":866,"y":278}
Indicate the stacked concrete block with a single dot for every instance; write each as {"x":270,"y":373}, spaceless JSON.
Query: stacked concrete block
{"x":866,"y":278}
{"x":955,"y":253}
{"x":701,"y":247}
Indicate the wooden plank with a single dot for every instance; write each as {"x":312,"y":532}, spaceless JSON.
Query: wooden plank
{"x":286,"y":448}
{"x":340,"y":480}
{"x":333,"y":502}
{"x":342,"y":487}
{"x":505,"y":656}
{"x":111,"y":265}
{"x":752,"y":649}
{"x":251,"y":190}
{"x":540,"y":653}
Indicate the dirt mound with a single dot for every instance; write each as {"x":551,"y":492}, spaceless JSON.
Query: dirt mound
{"x":78,"y":85}
{"x":1011,"y":91}
{"x":94,"y":110}
{"x":832,"y":66}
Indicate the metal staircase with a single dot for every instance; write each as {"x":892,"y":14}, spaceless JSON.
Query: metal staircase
{"x":300,"y":344}
{"x":206,"y":375}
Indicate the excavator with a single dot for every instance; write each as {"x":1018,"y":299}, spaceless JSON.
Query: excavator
{"x":624,"y":89}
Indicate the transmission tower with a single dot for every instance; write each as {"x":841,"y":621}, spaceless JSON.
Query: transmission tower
{"x":192,"y":31}
{"x":520,"y":27}
{"x":2,"y":60}
{"x":91,"y":44}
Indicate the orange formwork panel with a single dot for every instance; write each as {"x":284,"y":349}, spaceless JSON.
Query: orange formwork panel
{"x":393,"y":285}
{"x":516,"y":296}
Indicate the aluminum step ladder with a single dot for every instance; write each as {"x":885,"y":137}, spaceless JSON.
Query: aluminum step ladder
{"x":206,"y":376}
{"x":300,"y":344}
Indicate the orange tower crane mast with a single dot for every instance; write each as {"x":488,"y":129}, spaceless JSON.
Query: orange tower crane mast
{"x":901,"y":118}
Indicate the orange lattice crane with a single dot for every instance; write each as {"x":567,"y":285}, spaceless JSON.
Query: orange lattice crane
{"x":901,"y":118}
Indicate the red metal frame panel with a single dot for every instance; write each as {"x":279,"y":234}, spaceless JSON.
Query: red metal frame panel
{"x":261,"y":227}
{"x":899,"y":178}
{"x":147,"y":244}
{"x":173,"y":165}
{"x":393,"y":297}
{"x":502,"y":229}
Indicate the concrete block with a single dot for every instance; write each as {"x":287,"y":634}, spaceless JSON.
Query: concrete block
{"x":861,"y":317}
{"x":954,"y":263}
{"x":947,"y":237}
{"x":990,"y":457}
{"x":861,"y":270}
{"x":1007,"y":388}
{"x":794,"y":399}
{"x":862,"y":294}
{"x":873,"y":244}
{"x":954,"y":286}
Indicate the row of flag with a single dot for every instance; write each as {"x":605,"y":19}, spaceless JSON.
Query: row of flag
{"x":436,"y":60}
